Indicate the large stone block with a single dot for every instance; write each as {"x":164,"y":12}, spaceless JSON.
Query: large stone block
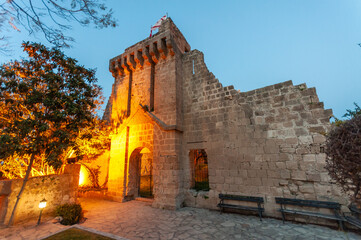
{"x":298,"y":175}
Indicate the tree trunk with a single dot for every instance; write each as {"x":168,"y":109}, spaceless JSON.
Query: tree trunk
{"x":11,"y":221}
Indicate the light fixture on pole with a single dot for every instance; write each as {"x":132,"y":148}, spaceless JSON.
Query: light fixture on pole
{"x":42,"y":205}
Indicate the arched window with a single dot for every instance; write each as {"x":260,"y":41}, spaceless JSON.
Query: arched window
{"x":199,"y":162}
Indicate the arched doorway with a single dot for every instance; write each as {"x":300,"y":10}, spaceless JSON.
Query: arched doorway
{"x":140,"y":175}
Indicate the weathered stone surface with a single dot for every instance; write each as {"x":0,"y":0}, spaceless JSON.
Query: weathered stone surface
{"x":56,"y":189}
{"x":257,"y":142}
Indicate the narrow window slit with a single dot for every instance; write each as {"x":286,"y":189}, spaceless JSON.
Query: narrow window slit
{"x":193,"y":66}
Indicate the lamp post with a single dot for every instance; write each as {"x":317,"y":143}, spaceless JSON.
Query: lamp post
{"x":42,"y":205}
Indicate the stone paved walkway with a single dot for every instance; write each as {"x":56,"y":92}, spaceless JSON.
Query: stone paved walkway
{"x":137,"y":220}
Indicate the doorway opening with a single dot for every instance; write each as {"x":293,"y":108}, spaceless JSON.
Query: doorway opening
{"x":140,"y":176}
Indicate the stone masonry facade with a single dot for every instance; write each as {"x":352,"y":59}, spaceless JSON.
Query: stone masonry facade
{"x":267,"y":142}
{"x":56,"y":189}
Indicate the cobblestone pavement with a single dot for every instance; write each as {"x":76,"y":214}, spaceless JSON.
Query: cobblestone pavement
{"x":137,"y":220}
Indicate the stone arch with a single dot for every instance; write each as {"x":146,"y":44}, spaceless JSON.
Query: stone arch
{"x":140,"y":173}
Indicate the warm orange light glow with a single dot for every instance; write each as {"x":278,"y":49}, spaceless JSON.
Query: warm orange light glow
{"x":144,"y":151}
{"x":15,"y":167}
{"x":120,"y":172}
{"x":42,"y":204}
{"x":82,"y":176}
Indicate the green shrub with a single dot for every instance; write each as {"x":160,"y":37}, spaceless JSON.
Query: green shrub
{"x":71,"y":213}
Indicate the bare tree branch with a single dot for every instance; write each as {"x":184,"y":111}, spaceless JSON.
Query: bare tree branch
{"x":51,"y":18}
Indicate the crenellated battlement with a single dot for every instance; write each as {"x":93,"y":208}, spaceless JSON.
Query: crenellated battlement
{"x":165,"y":43}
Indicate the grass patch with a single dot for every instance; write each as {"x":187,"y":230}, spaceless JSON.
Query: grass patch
{"x":77,"y":234}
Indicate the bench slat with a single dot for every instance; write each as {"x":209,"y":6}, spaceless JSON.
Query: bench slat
{"x":312,"y":214}
{"x":223,"y":205}
{"x":258,"y":200}
{"x":308,"y":203}
{"x":354,"y":221}
{"x":354,"y":209}
{"x":311,"y":203}
{"x":241,"y":198}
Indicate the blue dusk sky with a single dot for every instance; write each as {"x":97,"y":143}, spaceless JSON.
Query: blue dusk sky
{"x":249,"y":44}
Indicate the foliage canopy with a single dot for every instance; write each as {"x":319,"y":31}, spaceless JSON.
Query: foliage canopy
{"x":45,"y":101}
{"x":343,"y":149}
{"x":90,"y":143}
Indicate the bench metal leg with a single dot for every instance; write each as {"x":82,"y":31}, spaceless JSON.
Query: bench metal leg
{"x":283,"y":217}
{"x":340,"y":221}
{"x":259,"y":211}
{"x":340,"y":224}
{"x":260,"y":214}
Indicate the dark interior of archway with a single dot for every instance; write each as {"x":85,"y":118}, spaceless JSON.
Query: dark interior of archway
{"x":146,"y":177}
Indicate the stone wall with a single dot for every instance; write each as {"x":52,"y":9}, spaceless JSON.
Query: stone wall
{"x":268,"y":142}
{"x":56,"y":189}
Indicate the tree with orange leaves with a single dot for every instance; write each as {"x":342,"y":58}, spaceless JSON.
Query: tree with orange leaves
{"x":45,"y":102}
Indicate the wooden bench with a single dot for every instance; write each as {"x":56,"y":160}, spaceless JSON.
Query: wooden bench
{"x":258,"y":200}
{"x":336,"y":207}
{"x":355,"y":219}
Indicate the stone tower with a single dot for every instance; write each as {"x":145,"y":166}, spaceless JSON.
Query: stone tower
{"x":146,"y":111}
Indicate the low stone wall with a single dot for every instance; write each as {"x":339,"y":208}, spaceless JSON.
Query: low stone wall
{"x":56,"y":189}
